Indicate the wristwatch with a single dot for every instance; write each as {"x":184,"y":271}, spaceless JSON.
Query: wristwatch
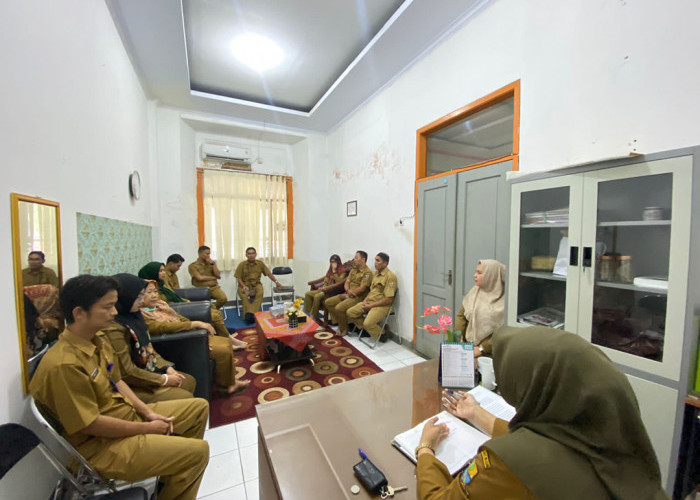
{"x":421,"y":446}
{"x":481,"y":349}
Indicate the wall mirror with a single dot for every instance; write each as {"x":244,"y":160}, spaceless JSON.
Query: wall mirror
{"x":36,"y":248}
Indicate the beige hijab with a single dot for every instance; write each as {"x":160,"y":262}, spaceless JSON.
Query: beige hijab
{"x":484,"y":305}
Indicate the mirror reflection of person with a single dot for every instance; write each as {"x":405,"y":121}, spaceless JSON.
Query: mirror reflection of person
{"x":205,"y":273}
{"x":151,"y":377}
{"x":577,"y":432}
{"x":37,"y":273}
{"x":163,"y":319}
{"x":483,"y":307}
{"x":250,"y":289}
{"x":335,"y":274}
{"x":79,"y":382}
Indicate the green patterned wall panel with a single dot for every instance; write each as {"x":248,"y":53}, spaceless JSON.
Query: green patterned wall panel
{"x":110,"y":246}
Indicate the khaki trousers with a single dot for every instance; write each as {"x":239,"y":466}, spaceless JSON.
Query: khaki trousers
{"x":337,"y":307}
{"x":179,"y":459}
{"x":371,"y":322}
{"x":221,"y":352}
{"x":155,"y":394}
{"x":217,"y":321}
{"x":312,"y":302}
{"x":254,"y":306}
{"x":219,"y":296}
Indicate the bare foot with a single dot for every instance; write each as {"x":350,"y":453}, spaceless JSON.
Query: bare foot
{"x":238,"y":344}
{"x":342,"y":333}
{"x":238,"y":386}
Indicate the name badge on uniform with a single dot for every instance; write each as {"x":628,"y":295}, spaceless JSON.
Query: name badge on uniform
{"x":94,"y":374}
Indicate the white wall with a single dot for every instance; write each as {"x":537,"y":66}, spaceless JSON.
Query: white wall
{"x":598,"y":79}
{"x":73,"y":126}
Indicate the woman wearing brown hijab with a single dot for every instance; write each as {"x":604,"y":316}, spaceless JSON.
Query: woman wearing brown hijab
{"x":577,"y":433}
{"x":482,"y":308}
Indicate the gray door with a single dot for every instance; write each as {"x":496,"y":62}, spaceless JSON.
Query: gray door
{"x":483,"y":207}
{"x":462,"y":218}
{"x":435,"y":257}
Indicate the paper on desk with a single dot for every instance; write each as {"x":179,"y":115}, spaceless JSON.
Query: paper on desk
{"x":493,"y":403}
{"x":457,"y":364}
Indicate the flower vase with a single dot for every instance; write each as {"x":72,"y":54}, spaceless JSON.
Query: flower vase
{"x":293,"y":322}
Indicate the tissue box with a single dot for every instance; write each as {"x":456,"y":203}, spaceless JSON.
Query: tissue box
{"x":277,"y":311}
{"x":542,"y":263}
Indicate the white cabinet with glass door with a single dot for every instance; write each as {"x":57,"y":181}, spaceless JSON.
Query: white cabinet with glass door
{"x":621,"y":236}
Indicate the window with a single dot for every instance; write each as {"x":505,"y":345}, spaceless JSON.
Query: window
{"x":478,"y":134}
{"x":245,"y":210}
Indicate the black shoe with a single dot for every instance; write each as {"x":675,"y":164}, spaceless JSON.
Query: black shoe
{"x":249,"y":318}
{"x":383,"y":337}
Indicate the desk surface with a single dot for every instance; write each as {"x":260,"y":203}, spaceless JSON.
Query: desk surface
{"x":310,"y":441}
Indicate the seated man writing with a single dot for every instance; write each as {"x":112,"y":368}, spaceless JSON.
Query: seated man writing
{"x":377,"y":303}
{"x":205,"y":273}
{"x":356,"y":287}
{"x":172,"y":266}
{"x":37,"y":273}
{"x":250,"y":290}
{"x":78,"y":380}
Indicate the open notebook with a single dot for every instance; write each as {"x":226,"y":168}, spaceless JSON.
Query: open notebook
{"x":464,"y":440}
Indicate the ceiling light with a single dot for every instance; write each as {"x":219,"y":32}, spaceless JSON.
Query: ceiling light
{"x":257,"y":51}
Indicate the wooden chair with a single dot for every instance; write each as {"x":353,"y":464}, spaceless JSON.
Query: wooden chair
{"x":333,"y":290}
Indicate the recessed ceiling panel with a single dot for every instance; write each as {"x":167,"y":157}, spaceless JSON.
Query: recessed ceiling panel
{"x":319,"y":39}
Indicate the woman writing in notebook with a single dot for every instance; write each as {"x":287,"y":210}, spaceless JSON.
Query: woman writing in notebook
{"x":577,"y":432}
{"x":482,"y":308}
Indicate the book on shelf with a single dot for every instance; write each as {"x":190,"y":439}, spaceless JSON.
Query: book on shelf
{"x":464,"y":440}
{"x":544,"y":316}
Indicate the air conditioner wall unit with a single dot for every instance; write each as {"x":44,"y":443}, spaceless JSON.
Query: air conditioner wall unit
{"x":229,"y":153}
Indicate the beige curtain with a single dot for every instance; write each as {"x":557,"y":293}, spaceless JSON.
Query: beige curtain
{"x":245,"y":210}
{"x":37,"y":231}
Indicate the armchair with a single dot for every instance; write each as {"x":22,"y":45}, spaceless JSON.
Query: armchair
{"x":194,"y":294}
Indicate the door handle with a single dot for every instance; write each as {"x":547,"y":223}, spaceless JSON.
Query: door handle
{"x":573,"y":256}
{"x":587,"y":257}
{"x":449,"y":277}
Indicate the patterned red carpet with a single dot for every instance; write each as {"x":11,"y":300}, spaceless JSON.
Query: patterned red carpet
{"x":336,"y":361}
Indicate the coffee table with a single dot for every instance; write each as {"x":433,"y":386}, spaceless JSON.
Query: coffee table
{"x":281,"y":344}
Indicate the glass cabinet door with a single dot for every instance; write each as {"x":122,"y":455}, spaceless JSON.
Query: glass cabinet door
{"x":625,"y":291}
{"x":540,"y":274}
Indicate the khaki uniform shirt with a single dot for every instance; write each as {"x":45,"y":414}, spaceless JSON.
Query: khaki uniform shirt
{"x":486,"y":477}
{"x":360,"y":277}
{"x":383,"y":285}
{"x":250,"y":273}
{"x":73,"y":382}
{"x":336,"y":278}
{"x":41,"y":276}
{"x":198,"y":268}
{"x":171,"y":280}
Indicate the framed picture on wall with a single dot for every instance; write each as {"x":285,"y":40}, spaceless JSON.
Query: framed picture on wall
{"x":352,"y":208}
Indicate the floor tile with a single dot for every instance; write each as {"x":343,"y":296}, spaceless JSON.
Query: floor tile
{"x":249,"y":462}
{"x":223,"y":472}
{"x":401,"y":355}
{"x":251,"y":489}
{"x":247,"y":432}
{"x":221,"y":439}
{"x":235,"y":493}
{"x":392,"y":366}
{"x":381,"y":357}
{"x":412,"y":361}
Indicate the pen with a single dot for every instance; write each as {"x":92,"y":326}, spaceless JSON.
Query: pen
{"x":362,"y":454}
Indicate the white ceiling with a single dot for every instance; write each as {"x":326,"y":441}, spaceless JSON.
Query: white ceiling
{"x":338,"y":53}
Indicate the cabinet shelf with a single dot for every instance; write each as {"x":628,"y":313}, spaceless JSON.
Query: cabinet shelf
{"x":545,"y":225}
{"x":543,"y":275}
{"x":629,"y":286}
{"x":633,"y":223}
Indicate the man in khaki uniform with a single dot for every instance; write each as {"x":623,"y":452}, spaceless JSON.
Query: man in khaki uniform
{"x":79,"y":382}
{"x":356,"y":287}
{"x":37,"y":273}
{"x":205,"y":273}
{"x":377,"y":303}
{"x":250,"y":290}
{"x":172,"y":266}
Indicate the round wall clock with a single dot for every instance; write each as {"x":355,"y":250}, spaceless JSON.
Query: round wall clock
{"x":135,"y":185}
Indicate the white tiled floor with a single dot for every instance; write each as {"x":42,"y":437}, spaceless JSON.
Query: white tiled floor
{"x":232,"y":473}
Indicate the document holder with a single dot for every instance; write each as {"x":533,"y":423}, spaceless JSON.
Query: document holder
{"x":371,"y":478}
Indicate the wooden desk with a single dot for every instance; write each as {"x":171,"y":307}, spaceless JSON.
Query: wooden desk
{"x":277,"y":329}
{"x":307,"y":444}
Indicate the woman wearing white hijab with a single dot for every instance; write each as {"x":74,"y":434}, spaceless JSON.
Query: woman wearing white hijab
{"x":483,"y":306}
